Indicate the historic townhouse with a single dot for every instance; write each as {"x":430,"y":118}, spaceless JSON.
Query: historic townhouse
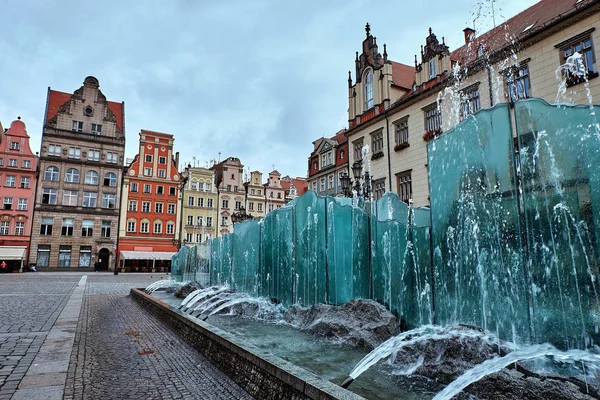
{"x":294,"y":187}
{"x":77,"y":198}
{"x":231,"y":191}
{"x":515,"y":60}
{"x":17,"y":192}
{"x":255,"y":195}
{"x":326,"y":163}
{"x":274,"y":192}
{"x":150,"y":206}
{"x":199,"y":206}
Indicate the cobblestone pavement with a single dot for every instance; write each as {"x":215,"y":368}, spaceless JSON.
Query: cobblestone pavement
{"x":120,"y":350}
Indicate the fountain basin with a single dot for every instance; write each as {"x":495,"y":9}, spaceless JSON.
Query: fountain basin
{"x":262,"y":376}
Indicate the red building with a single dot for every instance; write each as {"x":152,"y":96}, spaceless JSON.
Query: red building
{"x":150,"y":206}
{"x":17,"y":188}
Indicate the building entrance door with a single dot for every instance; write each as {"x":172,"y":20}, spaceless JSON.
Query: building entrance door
{"x":103,"y":259}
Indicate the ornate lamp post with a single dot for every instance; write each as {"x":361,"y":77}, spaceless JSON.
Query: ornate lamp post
{"x":362,"y":188}
{"x":240,"y":216}
{"x":184,"y":179}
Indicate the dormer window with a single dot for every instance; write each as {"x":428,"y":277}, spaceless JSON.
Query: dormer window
{"x":369,"y":89}
{"x":432,"y":73}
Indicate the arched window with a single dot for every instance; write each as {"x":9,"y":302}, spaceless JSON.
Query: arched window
{"x":131,"y":225}
{"x":72,"y":176}
{"x":91,"y":178}
{"x":157,"y":226}
{"x":369,"y":89}
{"x":51,"y":174}
{"x":110,"y":179}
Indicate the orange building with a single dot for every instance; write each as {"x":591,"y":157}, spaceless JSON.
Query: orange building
{"x":150,"y":206}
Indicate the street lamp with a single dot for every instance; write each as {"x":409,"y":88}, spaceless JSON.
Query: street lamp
{"x":362,"y":188}
{"x":184,"y":179}
{"x":240,"y":216}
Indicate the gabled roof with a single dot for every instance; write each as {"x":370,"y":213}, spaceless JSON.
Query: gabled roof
{"x":535,"y":18}
{"x":56,"y":99}
{"x":403,"y":75}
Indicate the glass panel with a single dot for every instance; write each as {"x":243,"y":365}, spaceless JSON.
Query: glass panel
{"x":246,"y":257}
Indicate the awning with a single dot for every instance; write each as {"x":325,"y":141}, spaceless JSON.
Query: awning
{"x":12,"y":253}
{"x":146,"y":255}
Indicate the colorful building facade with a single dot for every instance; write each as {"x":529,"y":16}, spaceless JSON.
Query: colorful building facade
{"x":231,"y":191}
{"x":199,"y":206}
{"x":326,"y":163}
{"x":18,"y":167}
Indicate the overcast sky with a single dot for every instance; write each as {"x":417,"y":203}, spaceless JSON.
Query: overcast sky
{"x":256,"y":79}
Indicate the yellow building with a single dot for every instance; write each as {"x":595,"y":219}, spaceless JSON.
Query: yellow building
{"x":393,"y":108}
{"x":255,"y":195}
{"x":199,"y":206}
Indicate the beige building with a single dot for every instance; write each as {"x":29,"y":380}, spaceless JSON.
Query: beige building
{"x":230,"y":192}
{"x":76,"y":210}
{"x":255,"y":195}
{"x":274,"y":192}
{"x":394,"y":109}
{"x":200,"y":206}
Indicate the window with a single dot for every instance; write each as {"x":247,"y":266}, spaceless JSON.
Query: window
{"x":251,"y":206}
{"x":199,"y":220}
{"x":87,"y":227}
{"x":7,"y":203}
{"x":194,"y":185}
{"x":401,"y":133}
{"x":170,"y":228}
{"x":147,"y":188}
{"x":46,"y":224}
{"x":77,"y":126}
{"x":91,"y":178}
{"x":377,"y":143}
{"x":162,"y":173}
{"x":224,"y":221}
{"x":148,"y":158}
{"x":229,"y":188}
{"x":1,"y":161}
{"x":12,"y":162}
{"x":110,"y":179}
{"x":105,"y":232}
{"x":64,"y":256}
{"x":208,"y":221}
{"x":26,"y":164}
{"x":108,"y":200}
{"x":198,"y":238}
{"x":4,"y":227}
{"x":158,"y":208}
{"x":160,"y":189}
{"x":322,"y":184}
{"x":432,"y":73}
{"x":238,"y":205}
{"x":235,"y":188}
{"x":172,"y":191}
{"x":189,"y":237}
{"x":330,"y":185}
{"x":130,"y":226}
{"x":22,"y":205}
{"x":209,"y":203}
{"x":259,"y":192}
{"x":470,"y":101}
{"x":190,"y":201}
{"x":49,"y":196}
{"x":93,"y":155}
{"x":260,"y":207}
{"x":10,"y":181}
{"x":25,"y":181}
{"x":54,"y":150}
{"x":378,"y":188}
{"x":20,"y":228}
{"x":190,"y":220}
{"x":85,"y":256}
{"x":147,"y":171}
{"x":342,"y":154}
{"x":225,"y":203}
{"x":144,"y":227}
{"x":90,"y":199}
{"x":369,"y":89}
{"x":145,"y":206}
{"x":201,"y":186}
{"x":157,"y":227}
{"x":51,"y":174}
{"x":67,"y":227}
{"x":112,"y":158}
{"x":517,"y":82}
{"x":270,"y":207}
{"x":252,"y":191}
{"x":43,"y":255}
{"x":162,"y":160}
{"x":69,"y":198}
{"x":404,"y":185}
{"x":583,"y":45}
{"x":96,"y":129}
{"x":358,"y":145}
{"x":14,"y":145}
{"x":170,"y":208}
{"x":132,"y":205}
{"x":75,"y":152}
{"x":433,"y":119}
{"x":134,"y":187}
{"x":200,"y":201}
{"x":72,"y":176}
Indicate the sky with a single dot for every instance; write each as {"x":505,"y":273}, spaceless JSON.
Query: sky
{"x":255,"y":79}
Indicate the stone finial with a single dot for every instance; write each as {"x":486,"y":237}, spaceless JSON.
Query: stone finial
{"x":384,"y":52}
{"x":368,"y":29}
{"x":430,"y":30}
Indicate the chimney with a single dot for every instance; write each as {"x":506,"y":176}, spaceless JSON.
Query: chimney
{"x":469,"y":35}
